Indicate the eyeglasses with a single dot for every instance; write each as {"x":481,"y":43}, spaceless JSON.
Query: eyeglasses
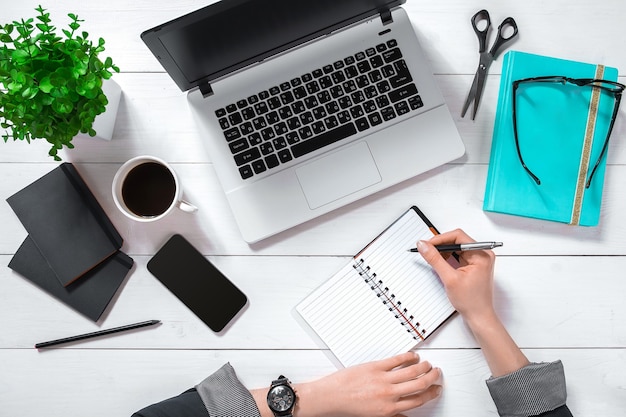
{"x":610,"y":87}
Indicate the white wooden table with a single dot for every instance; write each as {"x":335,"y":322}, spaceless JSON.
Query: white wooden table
{"x":560,"y":290}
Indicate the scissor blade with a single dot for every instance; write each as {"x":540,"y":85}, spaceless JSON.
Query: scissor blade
{"x":471,"y":95}
{"x":480,"y":86}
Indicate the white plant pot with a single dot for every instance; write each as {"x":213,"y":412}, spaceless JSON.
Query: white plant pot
{"x":104,"y":123}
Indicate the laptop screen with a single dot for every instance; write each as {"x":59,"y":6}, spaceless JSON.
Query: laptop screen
{"x":232,"y":34}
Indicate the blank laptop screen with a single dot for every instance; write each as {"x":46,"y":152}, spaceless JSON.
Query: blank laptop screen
{"x":232,"y":34}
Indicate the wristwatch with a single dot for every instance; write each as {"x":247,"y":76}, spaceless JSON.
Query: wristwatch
{"x":281,"y":398}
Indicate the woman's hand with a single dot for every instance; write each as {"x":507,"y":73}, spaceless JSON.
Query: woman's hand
{"x":469,"y":287}
{"x":382,"y":388}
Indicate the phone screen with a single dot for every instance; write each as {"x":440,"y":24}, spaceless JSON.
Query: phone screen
{"x":197,"y":283}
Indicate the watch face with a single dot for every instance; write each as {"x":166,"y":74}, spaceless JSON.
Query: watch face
{"x":281,"y":398}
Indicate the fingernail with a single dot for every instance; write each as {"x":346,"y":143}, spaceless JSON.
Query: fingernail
{"x":422,"y":247}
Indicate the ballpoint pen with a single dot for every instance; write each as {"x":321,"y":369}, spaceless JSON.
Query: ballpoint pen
{"x":98,"y":333}
{"x":464,"y":246}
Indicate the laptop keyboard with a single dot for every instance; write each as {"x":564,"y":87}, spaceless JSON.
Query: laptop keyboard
{"x":319,"y":108}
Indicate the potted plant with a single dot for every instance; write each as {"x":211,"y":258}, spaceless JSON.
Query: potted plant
{"x":50,"y":85}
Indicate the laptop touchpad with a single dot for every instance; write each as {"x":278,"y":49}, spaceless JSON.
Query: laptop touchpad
{"x":338,"y":174}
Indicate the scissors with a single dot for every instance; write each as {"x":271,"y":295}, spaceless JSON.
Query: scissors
{"x":486,"y":58}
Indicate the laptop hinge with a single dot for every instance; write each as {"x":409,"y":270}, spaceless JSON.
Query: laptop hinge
{"x":386,"y":17}
{"x":206,"y":90}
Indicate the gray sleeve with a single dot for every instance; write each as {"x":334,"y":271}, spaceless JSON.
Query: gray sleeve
{"x":225,"y":396}
{"x":529,"y":391}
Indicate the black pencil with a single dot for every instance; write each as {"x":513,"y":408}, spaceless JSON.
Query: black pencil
{"x":96,"y":334}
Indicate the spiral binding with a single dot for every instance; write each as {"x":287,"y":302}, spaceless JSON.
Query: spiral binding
{"x":389,"y":299}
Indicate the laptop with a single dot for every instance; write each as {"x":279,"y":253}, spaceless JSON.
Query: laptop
{"x":306,"y":105}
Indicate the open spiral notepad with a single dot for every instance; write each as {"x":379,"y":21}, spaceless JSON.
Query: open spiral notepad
{"x":384,"y":302}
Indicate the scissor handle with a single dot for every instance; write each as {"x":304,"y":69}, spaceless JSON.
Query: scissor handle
{"x":481,"y":34}
{"x":501,"y":39}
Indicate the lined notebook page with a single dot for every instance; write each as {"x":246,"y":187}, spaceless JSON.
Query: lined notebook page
{"x":383,"y":303}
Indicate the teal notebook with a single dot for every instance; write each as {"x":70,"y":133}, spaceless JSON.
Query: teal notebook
{"x":555,"y":140}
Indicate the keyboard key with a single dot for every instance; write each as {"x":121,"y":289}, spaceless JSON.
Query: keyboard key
{"x":370,"y":52}
{"x":248,"y":113}
{"x":375,"y":119}
{"x":292,"y":137}
{"x":274,"y":90}
{"x":253,"y":99}
{"x":246,"y":128}
{"x":326,"y":138}
{"x":281,"y":128}
{"x":388,"y":113}
{"x":271,"y":161}
{"x":259,"y":166}
{"x":272,"y":117}
{"x":331,"y":122}
{"x":382,"y":101}
{"x":286,"y":97}
{"x":327,"y":69}
{"x":338,"y":65}
{"x":402,"y":92}
{"x":285,"y":112}
{"x":306,"y":78}
{"x":311,"y":102}
{"x":319,"y":112}
{"x":351,"y":71}
{"x":362,"y":124}
{"x":293,"y":123}
{"x":306,"y":118}
{"x":231,"y":108}
{"x":357,"y":97}
{"x":326,"y":82}
{"x":247,"y":156}
{"x":345,"y":102}
{"x":259,"y":123}
{"x":349,"y":86}
{"x":285,"y":86}
{"x":268,"y":133}
{"x":359,"y":56}
{"x":232,"y":134}
{"x":376,"y":61}
{"x":392,"y":43}
{"x":274,"y":103}
{"x":415,"y":102}
{"x":343,"y":117}
{"x":363,"y":66}
{"x":349,"y":60}
{"x":357,"y":111}
{"x":318,"y":127}
{"x":255,"y":139}
{"x":263,"y":95}
{"x":242,"y":103}
{"x":323,"y":96}
{"x":298,"y":107}
{"x":238,"y":145}
{"x":403,"y":75}
{"x":305,"y":132}
{"x":246,"y":172}
{"x":332,"y":107}
{"x":336,"y":91}
{"x":279,"y":143}
{"x":261,"y":108}
{"x":220,"y":112}
{"x":313,"y":87}
{"x":266,"y":148}
{"x":285,"y":156}
{"x":392,"y":55}
{"x":318,"y":73}
{"x":224,"y":123}
{"x":235,"y":118}
{"x":299,"y":92}
{"x":381,"y":47}
{"x":402,"y":107}
{"x":338,"y":77}
{"x":369,"y":106}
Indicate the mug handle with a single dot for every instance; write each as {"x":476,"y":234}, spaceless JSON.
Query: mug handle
{"x":187,"y":207}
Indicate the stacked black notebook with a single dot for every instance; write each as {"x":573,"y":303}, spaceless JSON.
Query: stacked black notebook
{"x":73,"y":249}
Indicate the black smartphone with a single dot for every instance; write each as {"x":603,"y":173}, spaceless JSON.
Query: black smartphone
{"x":197,"y":283}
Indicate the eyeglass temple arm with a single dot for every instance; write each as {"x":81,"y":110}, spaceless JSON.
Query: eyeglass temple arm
{"x":519,"y":152}
{"x":618,"y":98}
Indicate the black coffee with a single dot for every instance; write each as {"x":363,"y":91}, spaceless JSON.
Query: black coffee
{"x":149,"y":189}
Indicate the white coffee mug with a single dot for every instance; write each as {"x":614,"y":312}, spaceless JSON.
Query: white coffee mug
{"x":147,"y":189}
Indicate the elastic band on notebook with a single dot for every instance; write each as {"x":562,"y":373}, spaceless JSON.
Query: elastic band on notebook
{"x":586,"y":151}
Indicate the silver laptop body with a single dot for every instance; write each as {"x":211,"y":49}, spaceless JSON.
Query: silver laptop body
{"x":403,"y":128}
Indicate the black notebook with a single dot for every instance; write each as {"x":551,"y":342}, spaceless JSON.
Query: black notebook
{"x":90,"y":295}
{"x":66,"y":223}
{"x":385,"y":301}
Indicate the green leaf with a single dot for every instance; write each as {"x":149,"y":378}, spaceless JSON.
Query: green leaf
{"x":5,"y":38}
{"x":45,"y":85}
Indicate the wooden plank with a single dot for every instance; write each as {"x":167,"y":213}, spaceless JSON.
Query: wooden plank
{"x":451,"y":196}
{"x":546,"y":302}
{"x":103,"y":383}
